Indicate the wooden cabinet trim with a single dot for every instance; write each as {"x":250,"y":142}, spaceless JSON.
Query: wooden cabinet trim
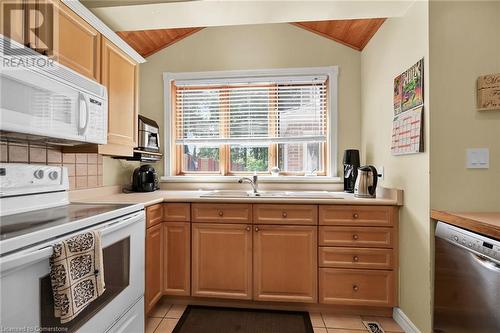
{"x":222,"y":213}
{"x":176,"y":212}
{"x":352,"y":215}
{"x":285,"y":214}
{"x":154,"y":215}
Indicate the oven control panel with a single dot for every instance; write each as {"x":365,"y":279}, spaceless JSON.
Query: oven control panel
{"x":19,"y":179}
{"x":478,"y":243}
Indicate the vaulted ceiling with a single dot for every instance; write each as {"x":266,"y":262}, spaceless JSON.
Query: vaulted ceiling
{"x":353,"y":33}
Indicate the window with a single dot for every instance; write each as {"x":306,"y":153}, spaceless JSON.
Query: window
{"x":244,"y":124}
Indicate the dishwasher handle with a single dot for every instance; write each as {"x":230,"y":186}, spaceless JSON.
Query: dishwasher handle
{"x":485,"y":262}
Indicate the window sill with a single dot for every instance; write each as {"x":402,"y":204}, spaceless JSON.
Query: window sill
{"x":262,"y":179}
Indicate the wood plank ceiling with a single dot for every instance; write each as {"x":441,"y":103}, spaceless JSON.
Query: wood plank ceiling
{"x":147,"y":42}
{"x":353,"y":33}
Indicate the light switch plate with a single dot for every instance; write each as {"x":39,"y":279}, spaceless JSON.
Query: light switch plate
{"x":478,"y":158}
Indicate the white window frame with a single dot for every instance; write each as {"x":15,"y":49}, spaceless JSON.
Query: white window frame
{"x":332,"y":142}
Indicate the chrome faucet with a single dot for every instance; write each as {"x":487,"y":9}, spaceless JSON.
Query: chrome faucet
{"x":254,"y":181}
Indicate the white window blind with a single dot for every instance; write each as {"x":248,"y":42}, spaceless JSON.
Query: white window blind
{"x":251,"y":112}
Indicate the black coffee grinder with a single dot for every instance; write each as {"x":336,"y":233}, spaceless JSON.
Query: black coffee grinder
{"x":351,"y":165}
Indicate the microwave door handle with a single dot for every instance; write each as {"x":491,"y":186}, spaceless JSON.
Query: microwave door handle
{"x":83,"y":104}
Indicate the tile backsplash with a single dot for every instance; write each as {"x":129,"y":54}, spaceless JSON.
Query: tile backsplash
{"x":84,"y":170}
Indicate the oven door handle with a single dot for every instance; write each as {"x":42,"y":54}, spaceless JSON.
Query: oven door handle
{"x":17,"y":261}
{"x":120,"y":224}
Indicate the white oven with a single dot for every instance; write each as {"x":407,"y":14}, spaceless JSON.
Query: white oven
{"x":51,"y":103}
{"x":27,"y":303}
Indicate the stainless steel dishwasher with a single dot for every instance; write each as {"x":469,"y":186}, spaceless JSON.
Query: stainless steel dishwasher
{"x":467,"y":282}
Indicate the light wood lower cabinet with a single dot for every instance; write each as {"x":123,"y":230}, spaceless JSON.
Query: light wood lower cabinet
{"x":154,"y":266}
{"x":285,"y":263}
{"x":221,"y":260}
{"x":176,"y":258}
{"x":356,"y":287}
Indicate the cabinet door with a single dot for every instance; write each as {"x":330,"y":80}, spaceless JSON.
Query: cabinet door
{"x":176,"y":258}
{"x":14,"y":15}
{"x":119,"y":75}
{"x":154,"y":261}
{"x":285,"y":263}
{"x":76,"y":44}
{"x":222,"y":260}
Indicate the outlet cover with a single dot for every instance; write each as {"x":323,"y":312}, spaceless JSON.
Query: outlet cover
{"x":478,"y":158}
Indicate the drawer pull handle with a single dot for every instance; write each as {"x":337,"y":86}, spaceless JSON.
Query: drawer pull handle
{"x":355,"y":258}
{"x":247,"y":228}
{"x":257,"y":229}
{"x":355,"y":237}
{"x":355,"y":215}
{"x":355,"y":288}
{"x":284,"y":214}
{"x":221,"y":213}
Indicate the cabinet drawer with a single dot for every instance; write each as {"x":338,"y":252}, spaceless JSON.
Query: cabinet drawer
{"x":344,"y":257}
{"x":285,"y":214}
{"x":356,"y":215}
{"x":356,"y":237}
{"x":224,"y":213}
{"x":356,"y":287}
{"x":176,"y":212}
{"x":154,"y":215}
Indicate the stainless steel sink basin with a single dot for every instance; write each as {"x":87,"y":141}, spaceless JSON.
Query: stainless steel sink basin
{"x":271,"y":194}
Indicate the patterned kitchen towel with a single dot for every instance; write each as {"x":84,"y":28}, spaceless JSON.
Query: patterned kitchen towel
{"x":76,"y":274}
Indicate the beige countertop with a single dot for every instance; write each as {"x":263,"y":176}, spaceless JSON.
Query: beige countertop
{"x":385,"y":197}
{"x":486,"y":223}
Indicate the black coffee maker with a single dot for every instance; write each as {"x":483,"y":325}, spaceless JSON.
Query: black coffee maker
{"x":351,"y":165}
{"x":145,"y":179}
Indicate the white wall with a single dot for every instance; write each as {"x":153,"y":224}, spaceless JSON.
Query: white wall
{"x":464,"y":44}
{"x":257,"y":47}
{"x":399,"y":44}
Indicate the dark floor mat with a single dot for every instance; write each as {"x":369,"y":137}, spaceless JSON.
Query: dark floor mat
{"x":205,"y":319}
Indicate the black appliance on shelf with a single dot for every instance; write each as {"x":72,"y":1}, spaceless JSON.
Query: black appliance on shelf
{"x":145,"y":179}
{"x":351,"y":165}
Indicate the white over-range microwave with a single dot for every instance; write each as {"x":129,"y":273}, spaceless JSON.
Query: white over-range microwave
{"x":43,"y":100}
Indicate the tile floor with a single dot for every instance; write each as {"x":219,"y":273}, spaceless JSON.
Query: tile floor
{"x":165,"y":315}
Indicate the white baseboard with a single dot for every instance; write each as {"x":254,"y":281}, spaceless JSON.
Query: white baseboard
{"x":400,"y":317}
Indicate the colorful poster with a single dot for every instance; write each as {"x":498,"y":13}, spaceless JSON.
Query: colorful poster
{"x":398,"y":94}
{"x":407,"y":132}
{"x":409,"y":88}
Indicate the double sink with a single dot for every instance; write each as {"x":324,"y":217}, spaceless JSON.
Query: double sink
{"x":271,"y":194}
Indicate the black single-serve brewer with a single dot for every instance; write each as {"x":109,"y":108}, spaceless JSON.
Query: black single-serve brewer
{"x":351,"y":165}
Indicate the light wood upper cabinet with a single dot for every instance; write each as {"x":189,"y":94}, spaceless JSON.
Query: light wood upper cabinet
{"x":285,"y":263}
{"x":119,"y":74}
{"x":154,"y":269}
{"x":221,"y":260}
{"x":13,"y":20}
{"x":176,"y":258}
{"x":76,"y":44}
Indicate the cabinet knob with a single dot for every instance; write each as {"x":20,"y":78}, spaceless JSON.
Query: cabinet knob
{"x":221,"y":213}
{"x":355,"y":237}
{"x":257,"y":229}
{"x":355,"y":258}
{"x":284,"y":214}
{"x":248,"y":228}
{"x":355,"y":288}
{"x":355,"y":215}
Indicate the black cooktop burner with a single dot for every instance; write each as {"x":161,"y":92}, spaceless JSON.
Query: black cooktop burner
{"x":24,"y":223}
